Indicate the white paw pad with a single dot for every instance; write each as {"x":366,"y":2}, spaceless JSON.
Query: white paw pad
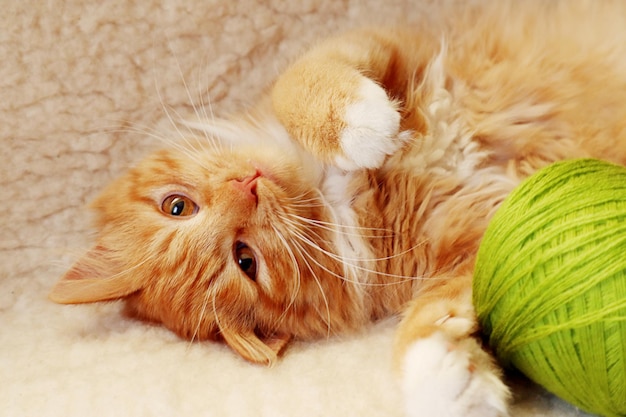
{"x":439,"y":380}
{"x":372,"y":129}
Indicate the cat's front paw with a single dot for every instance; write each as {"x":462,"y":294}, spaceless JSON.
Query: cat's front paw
{"x":372,"y":129}
{"x":441,"y":380}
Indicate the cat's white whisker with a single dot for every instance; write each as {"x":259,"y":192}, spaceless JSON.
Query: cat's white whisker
{"x":185,"y":148}
{"x":321,"y":225}
{"x":215,"y":313}
{"x":177,"y":121}
{"x":150,"y":133}
{"x":183,"y":80}
{"x":343,"y":260}
{"x":337,"y":228}
{"x":332,"y":273}
{"x":299,"y":201}
{"x":200,"y":113}
{"x":300,"y":198}
{"x":207,"y":117}
{"x":200,"y":317}
{"x":305,"y":206}
{"x":296,"y":268}
{"x":326,"y":319}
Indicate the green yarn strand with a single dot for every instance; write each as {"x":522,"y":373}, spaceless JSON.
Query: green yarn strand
{"x":550,"y":283}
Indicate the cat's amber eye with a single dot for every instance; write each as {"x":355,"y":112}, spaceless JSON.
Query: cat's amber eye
{"x":179,"y":206}
{"x":246,"y":260}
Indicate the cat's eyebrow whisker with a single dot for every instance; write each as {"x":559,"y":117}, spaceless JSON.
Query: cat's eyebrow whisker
{"x":199,"y":111}
{"x":208,"y":137}
{"x":153,"y":133}
{"x":176,"y":119}
{"x":167,"y":110}
{"x":130,"y":127}
{"x":187,"y":91}
{"x":209,"y":104}
{"x":188,"y":150}
{"x":208,"y":118}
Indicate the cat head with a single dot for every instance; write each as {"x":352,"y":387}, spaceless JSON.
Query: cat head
{"x":218,"y":242}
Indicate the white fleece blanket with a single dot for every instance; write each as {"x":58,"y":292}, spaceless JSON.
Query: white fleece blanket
{"x":84,"y":85}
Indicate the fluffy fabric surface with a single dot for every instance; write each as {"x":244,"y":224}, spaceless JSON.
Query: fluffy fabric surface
{"x":86,"y":86}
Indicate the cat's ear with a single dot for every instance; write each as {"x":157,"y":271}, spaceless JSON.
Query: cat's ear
{"x":96,"y":276}
{"x":253,"y":349}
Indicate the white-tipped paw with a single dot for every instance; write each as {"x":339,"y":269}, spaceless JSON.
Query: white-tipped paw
{"x":372,"y":129}
{"x":440,"y":380}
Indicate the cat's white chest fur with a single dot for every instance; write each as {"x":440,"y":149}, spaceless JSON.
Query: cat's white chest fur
{"x":350,"y":245}
{"x":439,"y":378}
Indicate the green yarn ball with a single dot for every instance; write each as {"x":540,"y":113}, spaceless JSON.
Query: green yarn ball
{"x":550,"y":283}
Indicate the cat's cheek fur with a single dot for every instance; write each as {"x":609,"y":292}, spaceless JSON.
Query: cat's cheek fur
{"x":440,"y":378}
{"x":372,"y":129}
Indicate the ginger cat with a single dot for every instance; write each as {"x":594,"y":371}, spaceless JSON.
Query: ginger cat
{"x":360,"y":188}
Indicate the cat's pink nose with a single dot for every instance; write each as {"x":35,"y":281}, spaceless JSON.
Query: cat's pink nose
{"x":247,"y":185}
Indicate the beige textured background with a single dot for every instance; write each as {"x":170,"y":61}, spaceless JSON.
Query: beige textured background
{"x":82,"y":85}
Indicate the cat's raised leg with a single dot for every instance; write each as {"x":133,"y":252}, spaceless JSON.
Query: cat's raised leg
{"x":443,"y":369}
{"x":337,"y":100}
